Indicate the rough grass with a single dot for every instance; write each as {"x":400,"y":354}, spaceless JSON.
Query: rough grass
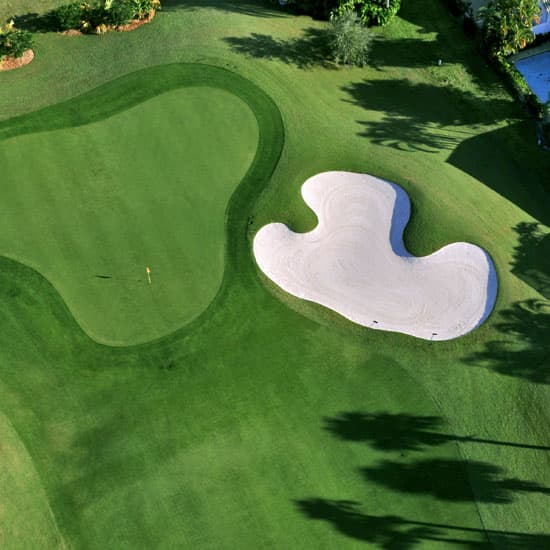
{"x":271,"y":422}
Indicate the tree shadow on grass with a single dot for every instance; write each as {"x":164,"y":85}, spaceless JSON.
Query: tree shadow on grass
{"x":524,"y":350}
{"x":259,"y":8}
{"x":384,"y":531}
{"x":402,"y":431}
{"x":422,"y":103}
{"x":423,"y":117}
{"x":410,"y":52}
{"x":405,"y":134}
{"x":309,"y":50}
{"x":36,"y":22}
{"x":508,"y":161}
{"x":446,"y":480}
{"x":396,"y":533}
{"x":431,"y":118}
{"x":531,"y":262}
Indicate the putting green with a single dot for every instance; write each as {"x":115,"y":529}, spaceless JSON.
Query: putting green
{"x":90,"y":206}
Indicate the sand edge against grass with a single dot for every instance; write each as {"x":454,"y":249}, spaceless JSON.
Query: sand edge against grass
{"x":355,"y":262}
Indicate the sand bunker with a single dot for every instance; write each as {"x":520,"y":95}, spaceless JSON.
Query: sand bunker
{"x":355,"y":263}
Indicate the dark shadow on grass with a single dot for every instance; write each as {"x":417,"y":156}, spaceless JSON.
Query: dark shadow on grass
{"x":531,"y":262}
{"x":309,"y":50}
{"x":428,"y":104}
{"x":396,"y":533}
{"x":384,"y":531}
{"x":36,"y":22}
{"x":524,"y":350}
{"x":411,"y":52}
{"x":404,"y":134}
{"x":259,"y":8}
{"x":423,"y":117}
{"x":402,"y":432}
{"x":508,"y":161}
{"x":446,"y":480}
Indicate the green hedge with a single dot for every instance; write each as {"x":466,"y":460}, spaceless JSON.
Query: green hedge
{"x":100,"y":16}
{"x":14,"y":42}
{"x":514,"y":79}
{"x":371,"y":12}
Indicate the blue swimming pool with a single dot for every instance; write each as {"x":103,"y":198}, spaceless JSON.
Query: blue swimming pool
{"x":536,"y":71}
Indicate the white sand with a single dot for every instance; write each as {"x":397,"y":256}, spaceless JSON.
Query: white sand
{"x":355,"y":263}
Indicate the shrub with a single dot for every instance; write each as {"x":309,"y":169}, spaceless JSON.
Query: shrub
{"x":349,"y":39}
{"x":98,"y":17}
{"x":320,"y":9}
{"x":372,"y":12}
{"x":69,"y":16}
{"x":507,"y":25}
{"x":119,"y":12}
{"x":514,"y":79}
{"x":14,"y":42}
{"x":143,"y":7}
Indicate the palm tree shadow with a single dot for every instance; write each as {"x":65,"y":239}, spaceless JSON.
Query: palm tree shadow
{"x":524,"y":350}
{"x":423,"y":117}
{"x":309,"y":50}
{"x":396,"y":533}
{"x":531,"y":262}
{"x":447,"y":480}
{"x":405,"y":134}
{"x":255,"y":8}
{"x":402,"y":432}
{"x":385,"y":531}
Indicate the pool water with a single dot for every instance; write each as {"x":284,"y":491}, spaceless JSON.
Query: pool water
{"x":536,"y":71}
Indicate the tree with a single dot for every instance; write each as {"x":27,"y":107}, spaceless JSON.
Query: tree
{"x":14,"y":42}
{"x":507,"y":25}
{"x":372,"y":12}
{"x":349,"y":38}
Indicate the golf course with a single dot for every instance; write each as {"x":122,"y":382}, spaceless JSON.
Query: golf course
{"x":161,"y":388}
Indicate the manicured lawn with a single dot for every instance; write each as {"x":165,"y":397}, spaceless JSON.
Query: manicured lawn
{"x":266,"y":421}
{"x":94,"y":205}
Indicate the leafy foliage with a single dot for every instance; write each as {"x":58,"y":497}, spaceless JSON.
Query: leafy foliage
{"x":372,"y":12}
{"x":320,"y":9}
{"x":143,"y":7}
{"x":101,"y":16}
{"x":349,"y":38}
{"x":68,"y":16}
{"x":119,"y":12}
{"x":507,"y":25}
{"x":14,"y":42}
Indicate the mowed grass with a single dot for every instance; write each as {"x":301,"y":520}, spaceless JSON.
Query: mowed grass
{"x":23,"y":496}
{"x":269,"y":422}
{"x":147,"y":187}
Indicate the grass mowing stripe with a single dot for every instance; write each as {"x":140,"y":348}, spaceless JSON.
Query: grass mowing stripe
{"x":155,"y":195}
{"x":234,"y":406}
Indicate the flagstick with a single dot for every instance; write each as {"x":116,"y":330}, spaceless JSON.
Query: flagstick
{"x":148,"y":271}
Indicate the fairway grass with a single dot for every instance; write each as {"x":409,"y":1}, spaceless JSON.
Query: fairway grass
{"x":266,"y":421}
{"x":23,"y":496}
